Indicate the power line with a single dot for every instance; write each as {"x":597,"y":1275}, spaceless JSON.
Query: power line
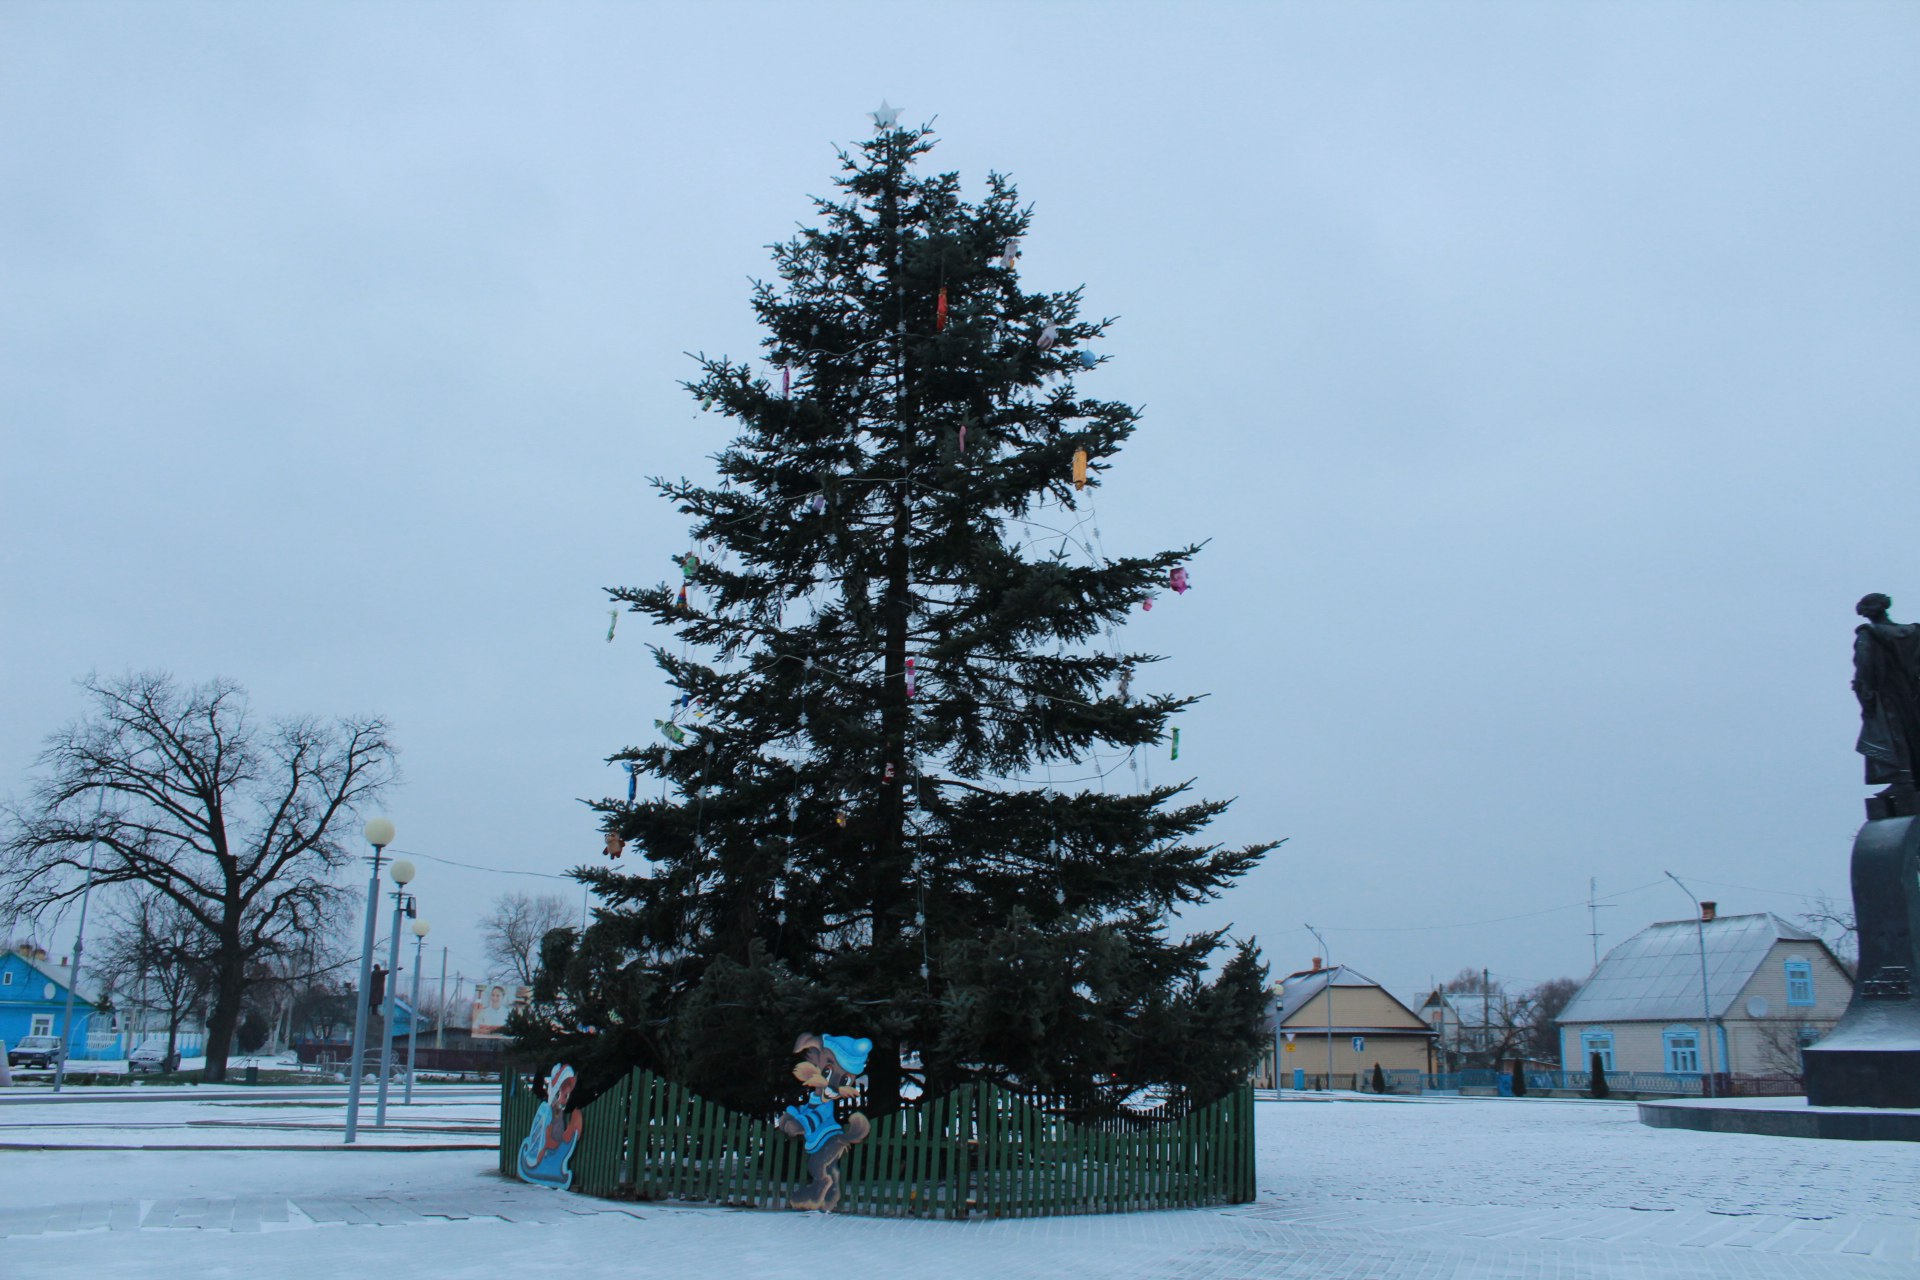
{"x":474,"y":866}
{"x":1472,"y":924}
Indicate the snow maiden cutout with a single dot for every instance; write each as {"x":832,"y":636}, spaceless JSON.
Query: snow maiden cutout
{"x":546,"y":1157}
{"x":831,"y":1067}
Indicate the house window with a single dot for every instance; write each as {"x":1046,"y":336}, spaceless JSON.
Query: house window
{"x":6,"y":979}
{"x":1600,"y":1042}
{"x":1683,"y":1049}
{"x":1799,"y":982}
{"x":42,"y":1025}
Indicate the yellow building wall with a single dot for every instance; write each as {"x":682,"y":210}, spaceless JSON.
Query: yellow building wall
{"x":1375,"y":1014}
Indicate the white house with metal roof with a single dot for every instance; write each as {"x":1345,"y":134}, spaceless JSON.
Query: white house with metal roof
{"x":1770,"y":990}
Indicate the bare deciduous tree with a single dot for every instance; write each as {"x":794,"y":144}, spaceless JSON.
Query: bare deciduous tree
{"x":1541,"y":1038}
{"x":184,"y":795}
{"x":511,"y":935}
{"x":1835,"y":925}
{"x":155,"y":962}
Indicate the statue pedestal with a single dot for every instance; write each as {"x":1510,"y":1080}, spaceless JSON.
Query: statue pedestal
{"x":1872,"y":1058}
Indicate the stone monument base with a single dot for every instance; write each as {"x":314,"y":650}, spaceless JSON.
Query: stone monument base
{"x":1872,"y":1058}
{"x":1783,"y":1118}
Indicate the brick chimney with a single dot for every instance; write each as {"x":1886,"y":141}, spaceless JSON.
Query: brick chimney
{"x":1709,"y":910}
{"x":1316,"y":964}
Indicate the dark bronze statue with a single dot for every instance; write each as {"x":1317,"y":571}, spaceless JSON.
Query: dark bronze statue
{"x":1872,"y":1057}
{"x":1886,"y":679}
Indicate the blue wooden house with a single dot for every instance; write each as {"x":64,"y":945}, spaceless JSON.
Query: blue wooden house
{"x":33,"y":1002}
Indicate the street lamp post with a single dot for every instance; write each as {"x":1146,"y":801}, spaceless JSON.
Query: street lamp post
{"x":379,"y":834}
{"x":420,"y":928}
{"x":402,"y":873}
{"x":79,"y":937}
{"x":1706,"y":1000}
{"x":1326,"y":958}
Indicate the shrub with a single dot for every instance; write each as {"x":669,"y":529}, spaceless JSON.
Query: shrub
{"x":1597,"y":1088}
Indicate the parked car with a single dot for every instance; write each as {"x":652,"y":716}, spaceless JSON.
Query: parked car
{"x":35,"y":1051}
{"x":152,"y":1058}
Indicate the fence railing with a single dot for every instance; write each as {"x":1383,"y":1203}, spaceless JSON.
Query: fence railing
{"x":980,"y":1150}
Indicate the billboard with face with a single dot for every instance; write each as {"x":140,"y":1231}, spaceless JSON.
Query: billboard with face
{"x":492,"y":1002}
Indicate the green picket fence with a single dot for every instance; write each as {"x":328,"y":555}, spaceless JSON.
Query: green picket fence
{"x":980,"y":1150}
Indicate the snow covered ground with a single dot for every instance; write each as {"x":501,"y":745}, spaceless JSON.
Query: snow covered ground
{"x":1348,"y":1188}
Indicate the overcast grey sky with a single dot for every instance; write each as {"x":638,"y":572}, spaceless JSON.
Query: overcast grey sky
{"x":1544,"y":376}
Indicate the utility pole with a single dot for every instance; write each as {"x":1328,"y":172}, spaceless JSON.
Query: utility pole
{"x":440,"y":1023}
{"x":1486,"y":1017}
{"x":1594,"y":908}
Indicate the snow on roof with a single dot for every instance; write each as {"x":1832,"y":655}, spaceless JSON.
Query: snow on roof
{"x":1299,"y":989}
{"x":61,"y":975}
{"x":1654,"y":976}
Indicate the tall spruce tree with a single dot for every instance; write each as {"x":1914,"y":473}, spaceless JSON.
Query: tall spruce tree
{"x":890,"y":620}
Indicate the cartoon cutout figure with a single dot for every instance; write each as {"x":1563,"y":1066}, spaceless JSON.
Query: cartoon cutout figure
{"x":830,"y":1067}
{"x":546,"y":1157}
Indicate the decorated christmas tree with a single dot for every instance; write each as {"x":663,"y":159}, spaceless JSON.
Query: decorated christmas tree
{"x":897,"y":792}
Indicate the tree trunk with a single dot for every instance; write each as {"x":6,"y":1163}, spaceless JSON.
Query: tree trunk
{"x":230,"y":984}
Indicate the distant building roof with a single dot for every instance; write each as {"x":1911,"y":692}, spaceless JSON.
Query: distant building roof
{"x":1654,"y":976}
{"x":1299,"y":989}
{"x":59,"y":974}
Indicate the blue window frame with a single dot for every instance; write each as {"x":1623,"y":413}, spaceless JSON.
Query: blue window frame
{"x":1683,"y":1049}
{"x":1799,"y":982}
{"x":1592,"y":1042}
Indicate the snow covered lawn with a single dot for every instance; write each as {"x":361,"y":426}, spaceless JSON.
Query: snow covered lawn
{"x":1352,"y":1188}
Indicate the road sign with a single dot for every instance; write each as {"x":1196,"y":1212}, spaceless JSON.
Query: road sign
{"x":1359,"y":1044}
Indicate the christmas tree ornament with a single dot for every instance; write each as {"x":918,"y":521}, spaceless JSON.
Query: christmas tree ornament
{"x":633,"y":783}
{"x":885,"y":117}
{"x":1049,"y":334}
{"x":940,"y":311}
{"x":706,"y":404}
{"x":1011,"y":254}
{"x":786,"y":381}
{"x":911,"y":687}
{"x":819,"y":503}
{"x":684,"y":606}
{"x":1146,"y":605}
{"x":963,"y":437}
{"x":615,"y":845}
{"x":1079,"y":468}
{"x":1086,"y":359}
{"x":1178,"y":581}
{"x":671,"y":731}
{"x":841,"y":817}
{"x":613,"y":620}
{"x":886,"y":776}
{"x":1176,"y":745}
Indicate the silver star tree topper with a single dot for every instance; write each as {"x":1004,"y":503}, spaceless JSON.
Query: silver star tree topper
{"x":885,"y":117}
